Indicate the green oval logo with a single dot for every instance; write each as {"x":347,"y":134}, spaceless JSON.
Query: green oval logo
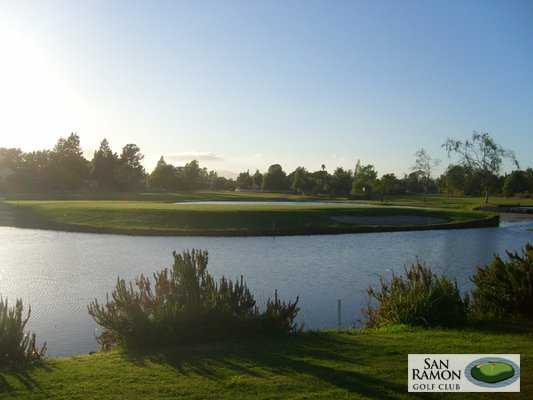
{"x":492,"y":371}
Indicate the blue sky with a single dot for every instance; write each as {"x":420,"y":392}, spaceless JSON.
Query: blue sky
{"x":242,"y":84}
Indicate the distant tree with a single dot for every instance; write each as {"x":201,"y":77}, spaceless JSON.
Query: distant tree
{"x":413,"y":183}
{"x":321,"y":181}
{"x":103,"y":166}
{"x":423,"y":166}
{"x":455,"y":179}
{"x":163,"y":177}
{"x":275,"y":179}
{"x":10,"y":158}
{"x":364,"y":179}
{"x":341,"y":181}
{"x":529,"y":177}
{"x":387,"y":185}
{"x":257,"y":179}
{"x":224,"y":184}
{"x":130,"y":174}
{"x":244,"y":180}
{"x":301,"y":181}
{"x":10,"y":163}
{"x":212,"y":179}
{"x":192,"y":175}
{"x":481,"y":155}
{"x":26,"y":172}
{"x":68,"y":168}
{"x":515,"y":182}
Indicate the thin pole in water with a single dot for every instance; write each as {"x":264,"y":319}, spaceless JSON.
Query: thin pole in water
{"x":339,"y":320}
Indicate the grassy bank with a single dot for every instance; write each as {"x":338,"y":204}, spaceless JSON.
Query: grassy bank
{"x":170,"y":197}
{"x":356,"y":365}
{"x":452,"y":202}
{"x":166,"y":218}
{"x":434,"y":201}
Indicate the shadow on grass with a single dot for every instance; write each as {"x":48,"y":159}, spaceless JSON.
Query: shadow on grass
{"x":12,"y":378}
{"x":324,"y":361}
{"x":498,"y":327}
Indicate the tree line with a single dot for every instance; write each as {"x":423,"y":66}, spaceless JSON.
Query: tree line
{"x":65,"y":169}
{"x":474,"y":170}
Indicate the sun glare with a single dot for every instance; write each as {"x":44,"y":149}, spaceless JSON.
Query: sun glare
{"x":35,"y":98}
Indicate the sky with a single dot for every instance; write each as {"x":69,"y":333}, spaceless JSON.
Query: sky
{"x":245,"y":84}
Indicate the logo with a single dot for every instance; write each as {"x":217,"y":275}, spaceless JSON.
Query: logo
{"x":492,"y":372}
{"x":464,"y":373}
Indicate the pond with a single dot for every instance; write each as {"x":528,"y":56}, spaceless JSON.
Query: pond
{"x":59,"y":273}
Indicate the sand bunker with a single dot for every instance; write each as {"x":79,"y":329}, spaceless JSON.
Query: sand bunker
{"x":391,"y":220}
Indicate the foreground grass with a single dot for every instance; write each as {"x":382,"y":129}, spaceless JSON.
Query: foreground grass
{"x":165,"y":218}
{"x":326,"y":365}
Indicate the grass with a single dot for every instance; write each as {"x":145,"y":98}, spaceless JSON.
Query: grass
{"x":359,"y":364}
{"x":168,"y":197}
{"x":452,"y":202}
{"x":166,"y":218}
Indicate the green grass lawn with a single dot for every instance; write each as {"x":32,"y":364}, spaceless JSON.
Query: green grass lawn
{"x":168,"y":197}
{"x":167,"y":218}
{"x":327,"y":365}
{"x":452,"y":202}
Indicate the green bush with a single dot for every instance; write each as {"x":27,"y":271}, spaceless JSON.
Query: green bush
{"x":17,"y":347}
{"x":184,"y":305}
{"x":418,"y":298}
{"x":504,"y":288}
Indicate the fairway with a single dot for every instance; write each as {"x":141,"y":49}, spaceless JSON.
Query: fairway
{"x":136,"y":217}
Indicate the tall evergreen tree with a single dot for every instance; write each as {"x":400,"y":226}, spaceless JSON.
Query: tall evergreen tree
{"x":103,"y":167}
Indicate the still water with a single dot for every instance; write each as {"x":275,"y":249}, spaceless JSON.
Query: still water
{"x":58,"y":273}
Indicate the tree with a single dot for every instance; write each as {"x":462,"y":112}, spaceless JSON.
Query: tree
{"x":275,"y":179}
{"x":301,"y":180}
{"x":515,"y":182}
{"x":529,"y":177}
{"x":10,"y":162}
{"x":388,"y":184}
{"x":130,"y":173}
{"x":192,"y":175}
{"x":364,"y":179}
{"x":212,"y":179}
{"x":103,"y":167}
{"x":455,"y":179}
{"x":480,"y":154}
{"x":321,"y":181}
{"x":257,"y":179}
{"x":10,"y":158}
{"x":68,"y":167}
{"x":341,"y":181}
{"x":423,"y":166}
{"x":27,"y":172}
{"x":163,"y":177}
{"x":244,"y":180}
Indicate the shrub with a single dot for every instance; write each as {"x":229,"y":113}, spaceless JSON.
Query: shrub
{"x":17,"y":347}
{"x":186,"y":304}
{"x":504,"y":288}
{"x":418,"y":298}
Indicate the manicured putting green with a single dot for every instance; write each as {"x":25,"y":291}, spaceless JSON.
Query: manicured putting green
{"x":492,"y":372}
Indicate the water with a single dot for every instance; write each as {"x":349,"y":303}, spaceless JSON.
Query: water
{"x":58,"y":273}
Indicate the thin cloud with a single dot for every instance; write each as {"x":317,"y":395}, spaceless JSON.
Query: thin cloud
{"x":194,"y":155}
